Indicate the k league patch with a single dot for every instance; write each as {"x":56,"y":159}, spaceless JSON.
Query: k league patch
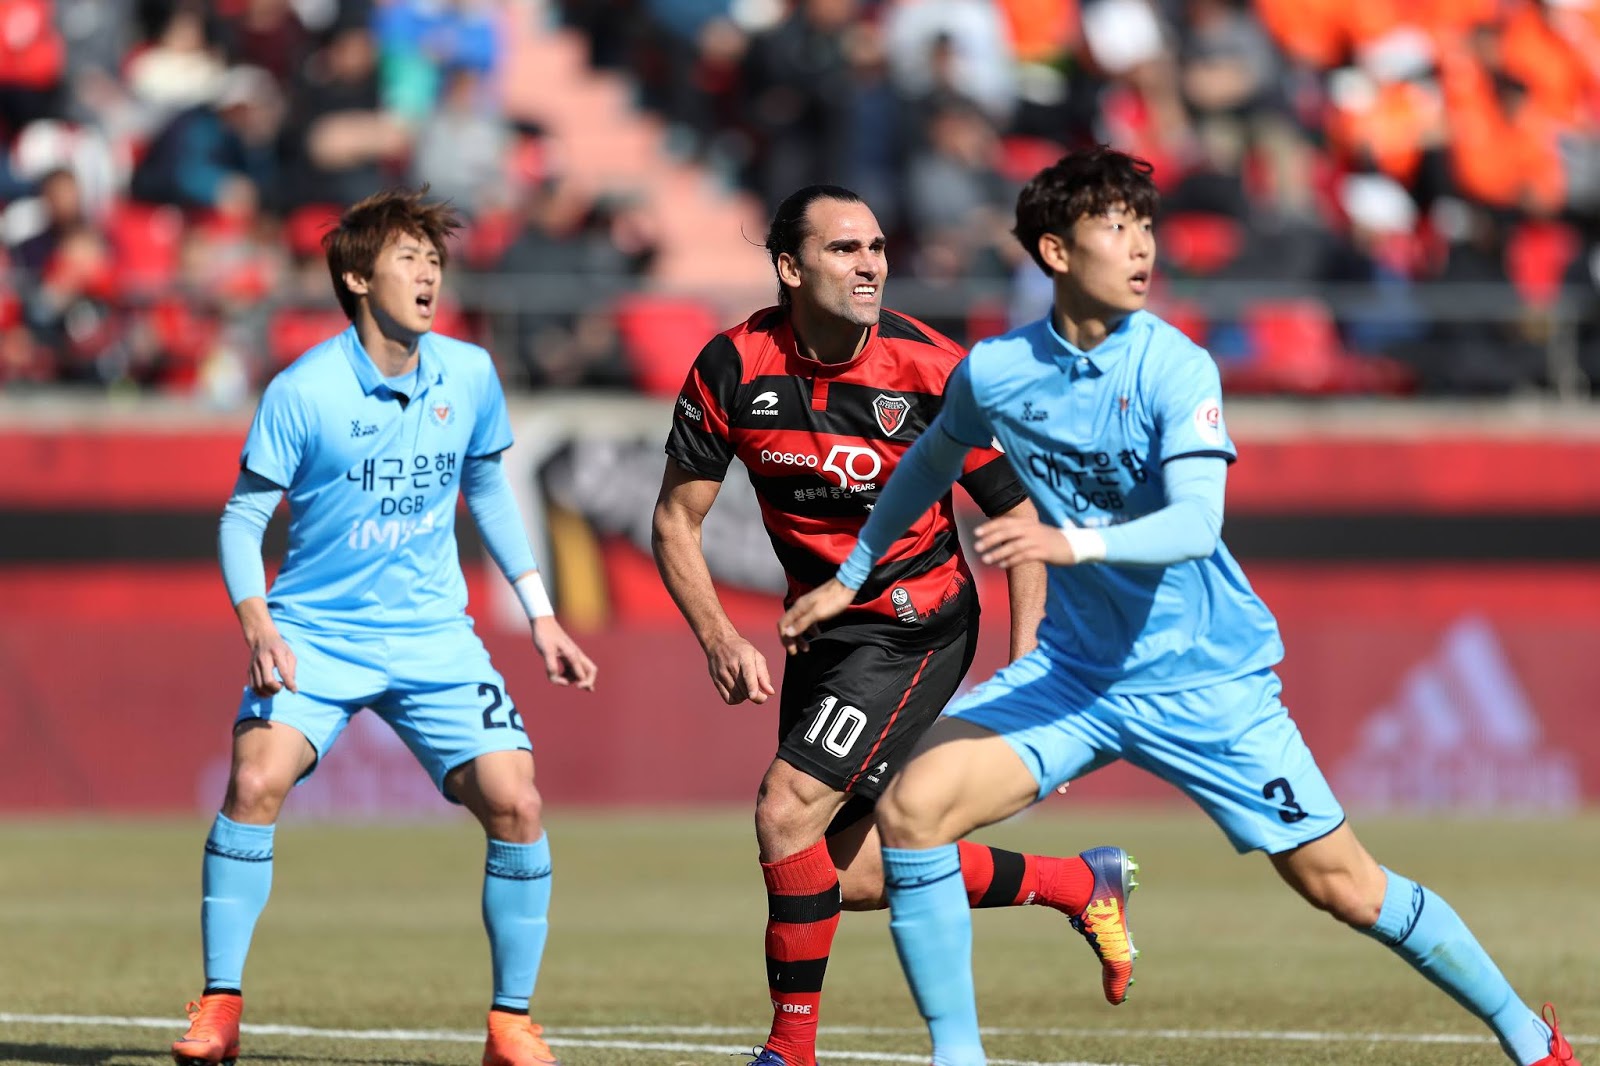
{"x":1208,"y":422}
{"x":891,"y":412}
{"x":443,"y":413}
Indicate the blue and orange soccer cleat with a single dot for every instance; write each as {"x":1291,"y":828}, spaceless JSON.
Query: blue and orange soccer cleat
{"x":1561,"y":1053}
{"x":514,"y":1040}
{"x":762,"y":1057}
{"x":1104,"y":922}
{"x":213,"y":1036}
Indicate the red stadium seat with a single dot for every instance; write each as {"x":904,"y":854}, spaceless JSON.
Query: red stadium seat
{"x":145,"y":242}
{"x":1199,"y":242}
{"x":295,"y":329}
{"x":1023,"y":157}
{"x":304,"y":227}
{"x":1538,"y":253}
{"x":661,"y":335}
{"x":1297,"y":348}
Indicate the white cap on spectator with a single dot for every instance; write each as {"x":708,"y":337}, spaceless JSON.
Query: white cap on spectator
{"x":1404,"y":52}
{"x":1121,"y":34}
{"x":246,"y":85}
{"x":1377,"y":203}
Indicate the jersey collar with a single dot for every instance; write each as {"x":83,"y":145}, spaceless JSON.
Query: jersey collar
{"x":786,"y":340}
{"x":1097,"y":359}
{"x":430,"y":368}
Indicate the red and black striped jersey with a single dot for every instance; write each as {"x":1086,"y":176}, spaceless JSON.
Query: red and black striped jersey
{"x":819,"y":441}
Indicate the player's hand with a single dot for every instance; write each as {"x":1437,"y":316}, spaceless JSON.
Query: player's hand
{"x":564,"y":662}
{"x":799,"y":623}
{"x":1012,"y":540}
{"x":739,"y":671}
{"x":271,"y":660}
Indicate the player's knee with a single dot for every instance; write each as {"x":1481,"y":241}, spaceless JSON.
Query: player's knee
{"x":912,"y":815}
{"x":256,"y":794}
{"x":514,"y":815}
{"x":780,"y":811}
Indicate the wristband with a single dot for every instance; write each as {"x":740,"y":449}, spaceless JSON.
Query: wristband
{"x":1088,"y":546}
{"x":535,"y":600}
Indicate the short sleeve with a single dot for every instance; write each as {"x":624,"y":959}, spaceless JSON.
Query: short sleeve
{"x":960,"y":416}
{"x":279,"y":435}
{"x":699,"y":440}
{"x":491,"y":432}
{"x":1188,"y":410}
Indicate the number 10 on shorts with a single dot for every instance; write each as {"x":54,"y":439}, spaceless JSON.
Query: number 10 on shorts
{"x":842,"y":735}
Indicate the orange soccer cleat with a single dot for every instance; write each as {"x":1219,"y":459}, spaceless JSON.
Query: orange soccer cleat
{"x":213,"y":1036}
{"x":515,"y":1041}
{"x":1104,"y":922}
{"x":1561,"y":1053}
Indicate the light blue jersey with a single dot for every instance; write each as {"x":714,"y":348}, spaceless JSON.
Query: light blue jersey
{"x":1089,"y":433}
{"x":372,"y":481}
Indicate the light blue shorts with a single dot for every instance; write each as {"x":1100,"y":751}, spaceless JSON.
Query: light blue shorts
{"x":435,"y":687}
{"x":1231,"y":746}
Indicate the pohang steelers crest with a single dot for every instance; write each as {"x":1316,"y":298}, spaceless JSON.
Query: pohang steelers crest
{"x":891,"y":412}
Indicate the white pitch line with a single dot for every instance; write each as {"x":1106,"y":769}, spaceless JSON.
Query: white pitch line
{"x":572,"y":1036}
{"x":460,"y":1037}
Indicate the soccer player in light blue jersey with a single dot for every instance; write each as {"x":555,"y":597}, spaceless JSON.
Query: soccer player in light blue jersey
{"x":372,"y":435}
{"x":1154,"y":648}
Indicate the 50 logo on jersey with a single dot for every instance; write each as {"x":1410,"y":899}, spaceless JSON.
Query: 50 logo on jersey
{"x":854,"y":467}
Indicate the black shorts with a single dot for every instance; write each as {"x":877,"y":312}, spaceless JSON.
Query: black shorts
{"x":852,"y":710}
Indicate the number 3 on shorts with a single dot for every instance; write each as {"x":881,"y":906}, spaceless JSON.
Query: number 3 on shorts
{"x":492,"y":692}
{"x":1290,"y":811}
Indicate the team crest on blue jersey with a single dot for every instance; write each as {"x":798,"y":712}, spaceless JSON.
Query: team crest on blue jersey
{"x":443,"y":413}
{"x":891,"y":412}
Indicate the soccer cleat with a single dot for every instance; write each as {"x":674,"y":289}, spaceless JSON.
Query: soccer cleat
{"x":1104,"y":922}
{"x":213,"y":1036}
{"x":514,"y":1040}
{"x":1561,"y":1053}
{"x":763,"y":1057}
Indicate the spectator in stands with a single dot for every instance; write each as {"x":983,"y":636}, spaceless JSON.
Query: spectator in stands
{"x":461,"y":145}
{"x":68,"y":310}
{"x":219,"y":156}
{"x":959,"y":202}
{"x":981,"y":50}
{"x":561,"y":259}
{"x":797,"y":87}
{"x":264,"y":33}
{"x":58,"y":211}
{"x":339,"y":141}
{"x":423,"y":43}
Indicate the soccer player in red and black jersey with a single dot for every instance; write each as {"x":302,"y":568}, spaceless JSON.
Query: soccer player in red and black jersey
{"x":819,"y":397}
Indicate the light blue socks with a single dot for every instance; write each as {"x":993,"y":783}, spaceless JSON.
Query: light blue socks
{"x":235,"y":879}
{"x":516,"y":907}
{"x":931,"y":922}
{"x":1421,"y":928}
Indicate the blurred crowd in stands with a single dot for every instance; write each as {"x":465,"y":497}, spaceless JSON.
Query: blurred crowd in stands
{"x":1360,"y":196}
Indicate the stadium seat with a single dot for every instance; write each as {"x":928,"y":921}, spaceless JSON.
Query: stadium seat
{"x":295,"y":329}
{"x":1023,"y":157}
{"x":1197,"y":242}
{"x":1538,"y":253}
{"x":1296,"y":348}
{"x":661,"y":335}
{"x":304,"y":227}
{"x":145,"y":241}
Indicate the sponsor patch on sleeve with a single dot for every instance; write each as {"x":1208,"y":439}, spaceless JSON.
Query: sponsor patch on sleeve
{"x":1208,"y":422}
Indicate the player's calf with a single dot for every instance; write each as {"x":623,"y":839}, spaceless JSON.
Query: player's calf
{"x":213,"y":1036}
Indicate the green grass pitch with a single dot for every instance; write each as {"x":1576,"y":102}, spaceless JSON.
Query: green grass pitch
{"x":371,"y":950}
